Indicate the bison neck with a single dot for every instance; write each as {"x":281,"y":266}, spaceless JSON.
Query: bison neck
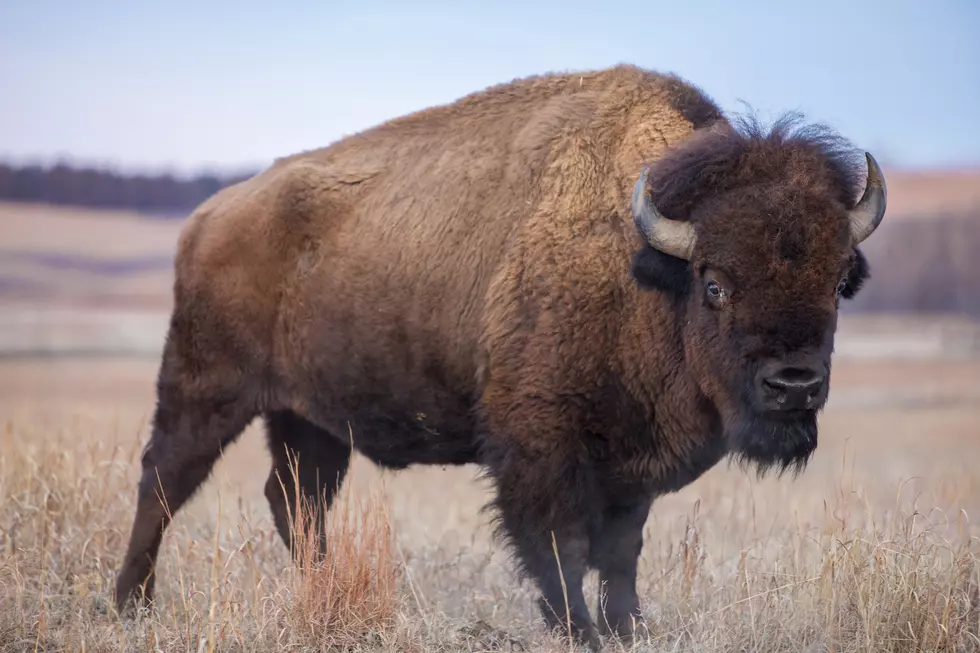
{"x":667,"y":432}
{"x":664,"y":437}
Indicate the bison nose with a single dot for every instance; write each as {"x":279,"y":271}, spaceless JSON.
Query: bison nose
{"x":792,"y":388}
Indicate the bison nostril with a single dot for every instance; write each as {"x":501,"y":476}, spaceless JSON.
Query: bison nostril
{"x":776,"y":388}
{"x":793,"y":387}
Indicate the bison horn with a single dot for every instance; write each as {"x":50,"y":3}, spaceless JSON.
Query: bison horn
{"x":669,"y":236}
{"x":870,"y":209}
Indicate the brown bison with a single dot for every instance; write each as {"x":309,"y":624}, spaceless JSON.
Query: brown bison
{"x":595,"y":286}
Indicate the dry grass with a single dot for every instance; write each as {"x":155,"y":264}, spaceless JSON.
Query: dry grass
{"x":344,"y":585}
{"x":850,"y":557}
{"x":63,"y":529}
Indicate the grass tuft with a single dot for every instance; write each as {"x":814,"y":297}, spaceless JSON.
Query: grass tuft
{"x":342,"y":591}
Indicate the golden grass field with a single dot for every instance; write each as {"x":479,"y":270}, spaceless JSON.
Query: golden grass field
{"x":876,"y":547}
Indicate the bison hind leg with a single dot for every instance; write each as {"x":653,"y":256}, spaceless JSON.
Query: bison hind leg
{"x":308,"y":458}
{"x":199,"y":412}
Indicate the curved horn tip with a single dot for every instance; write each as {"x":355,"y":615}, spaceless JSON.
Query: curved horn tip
{"x":868,"y":213}
{"x":875,"y":175}
{"x":876,"y":180}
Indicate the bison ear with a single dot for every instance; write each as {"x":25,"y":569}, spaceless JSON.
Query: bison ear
{"x":856,"y":276}
{"x":654,"y":270}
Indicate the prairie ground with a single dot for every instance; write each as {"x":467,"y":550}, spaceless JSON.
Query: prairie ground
{"x":873,"y":548}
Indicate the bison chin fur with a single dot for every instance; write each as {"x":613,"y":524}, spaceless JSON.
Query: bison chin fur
{"x":773,"y":442}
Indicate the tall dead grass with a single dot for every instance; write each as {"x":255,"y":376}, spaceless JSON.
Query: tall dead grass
{"x":65,"y":511}
{"x":850,"y":584}
{"x":344,"y":584}
{"x":859,"y":579}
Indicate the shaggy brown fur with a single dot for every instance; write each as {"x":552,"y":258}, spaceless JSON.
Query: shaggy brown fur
{"x":465,"y":284}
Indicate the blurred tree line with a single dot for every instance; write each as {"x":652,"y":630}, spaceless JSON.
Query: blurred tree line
{"x":927,"y":263}
{"x":90,"y":187}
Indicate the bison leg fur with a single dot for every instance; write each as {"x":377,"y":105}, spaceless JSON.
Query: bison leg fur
{"x":615,"y":552}
{"x":192,"y":424}
{"x":541,"y":509}
{"x":306,"y":455}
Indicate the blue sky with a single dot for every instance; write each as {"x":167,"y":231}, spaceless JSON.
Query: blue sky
{"x":189,"y":85}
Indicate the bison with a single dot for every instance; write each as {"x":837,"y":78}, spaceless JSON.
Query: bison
{"x":594,"y":285}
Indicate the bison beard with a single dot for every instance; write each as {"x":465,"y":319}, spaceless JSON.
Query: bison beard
{"x":767,"y":442}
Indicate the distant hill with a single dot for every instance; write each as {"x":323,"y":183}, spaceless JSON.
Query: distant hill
{"x":932,"y":193}
{"x":924,"y":258}
{"x":62,"y":184}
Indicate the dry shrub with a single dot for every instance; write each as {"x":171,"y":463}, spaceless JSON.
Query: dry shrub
{"x":343,"y":590}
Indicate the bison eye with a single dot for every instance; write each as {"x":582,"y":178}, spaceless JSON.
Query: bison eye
{"x":717,"y":287}
{"x":716,"y":294}
{"x":842,"y":285}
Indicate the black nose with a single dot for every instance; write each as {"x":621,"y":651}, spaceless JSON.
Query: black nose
{"x":792,"y":388}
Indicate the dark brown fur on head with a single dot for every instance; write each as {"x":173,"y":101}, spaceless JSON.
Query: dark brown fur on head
{"x":770,"y":214}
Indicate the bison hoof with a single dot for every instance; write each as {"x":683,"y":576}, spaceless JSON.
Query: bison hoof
{"x":130,"y":606}
{"x":625,"y":627}
{"x":130,"y":600}
{"x":589,"y":637}
{"x":584,"y":631}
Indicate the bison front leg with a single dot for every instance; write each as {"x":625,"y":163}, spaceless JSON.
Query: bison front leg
{"x":545,"y":505}
{"x":615,"y":553}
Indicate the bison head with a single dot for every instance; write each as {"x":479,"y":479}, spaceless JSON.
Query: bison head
{"x":755,"y":238}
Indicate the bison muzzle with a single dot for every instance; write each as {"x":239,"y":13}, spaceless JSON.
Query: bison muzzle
{"x":595,"y":286}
